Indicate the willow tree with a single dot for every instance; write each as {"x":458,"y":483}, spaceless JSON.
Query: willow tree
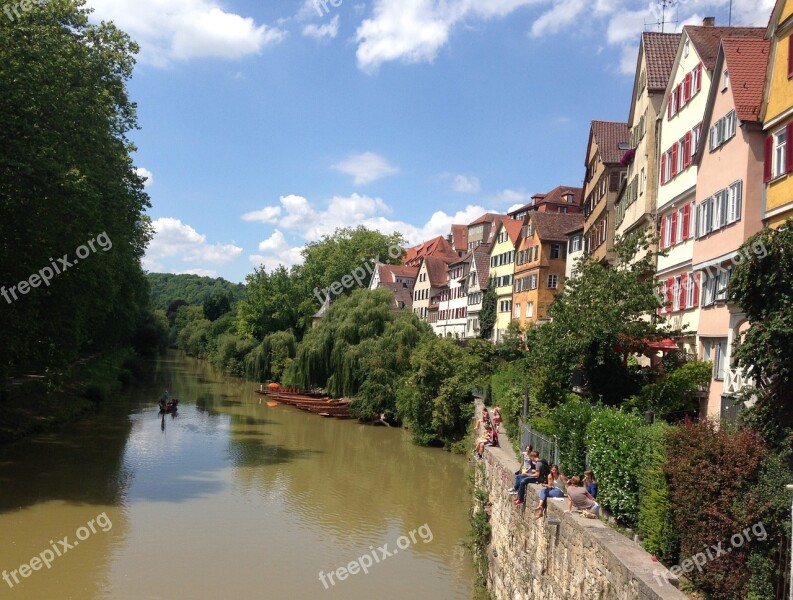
{"x":66,"y":177}
{"x":269,"y":360}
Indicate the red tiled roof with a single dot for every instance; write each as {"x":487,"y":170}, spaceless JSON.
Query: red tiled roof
{"x":460,"y":237}
{"x":608,"y":136}
{"x":438,"y":246}
{"x":747,"y":61}
{"x":513,"y":229}
{"x":436,"y":269}
{"x":553,"y":227}
{"x":660,"y":50}
{"x":403,"y":297}
{"x":388,"y":273}
{"x":707,"y":40}
{"x":556,"y":195}
{"x":486,"y":218}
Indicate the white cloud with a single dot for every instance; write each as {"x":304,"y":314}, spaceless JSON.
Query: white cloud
{"x":516,"y":198}
{"x":199,"y":272}
{"x":329,"y":30}
{"x":564,"y":13}
{"x":366,"y":167}
{"x":415,"y":30}
{"x":466,"y":184}
{"x":146,"y":175}
{"x":269,"y":214}
{"x":175,"y":242}
{"x":276,"y":251}
{"x":175,"y":30}
{"x":628,"y":58}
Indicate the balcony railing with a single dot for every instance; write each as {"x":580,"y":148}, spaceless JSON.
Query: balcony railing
{"x":737,"y":379}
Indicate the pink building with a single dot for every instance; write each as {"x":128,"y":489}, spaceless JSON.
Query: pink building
{"x":729,"y":207}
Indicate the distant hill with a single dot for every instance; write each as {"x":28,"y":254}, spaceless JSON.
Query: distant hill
{"x":167,"y":287}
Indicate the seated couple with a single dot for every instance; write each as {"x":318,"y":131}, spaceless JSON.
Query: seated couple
{"x":488,"y":438}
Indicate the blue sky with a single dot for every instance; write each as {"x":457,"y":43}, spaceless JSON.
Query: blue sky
{"x":265,"y":125}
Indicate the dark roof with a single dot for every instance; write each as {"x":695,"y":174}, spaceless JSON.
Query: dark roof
{"x":608,"y":136}
{"x":436,"y":269}
{"x":460,"y":237}
{"x":707,"y":40}
{"x":747,"y":61}
{"x":482,"y":262}
{"x":660,"y":50}
{"x":553,"y":227}
{"x":403,"y":296}
{"x":574,"y":228}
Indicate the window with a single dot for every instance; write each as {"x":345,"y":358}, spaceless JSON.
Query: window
{"x":575,"y":243}
{"x":722,"y":130}
{"x":517,"y":311}
{"x":734,"y":202}
{"x":780,"y":152}
{"x":556,"y":251}
{"x":719,"y":358}
{"x":505,"y":306}
{"x":719,"y":212}
{"x":696,"y":134}
{"x":696,"y":80}
{"x":676,"y":294}
{"x":686,"y":48}
{"x":690,"y":285}
{"x":725,"y":81}
{"x":642,"y":181}
{"x":553,"y":281}
{"x":667,"y":231}
{"x":530,"y":310}
{"x":681,"y":217}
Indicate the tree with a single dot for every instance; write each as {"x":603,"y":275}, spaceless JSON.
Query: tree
{"x":67,"y":177}
{"x":600,"y":310}
{"x":487,"y":315}
{"x":218,"y":304}
{"x":270,"y":303}
{"x":762,"y":285}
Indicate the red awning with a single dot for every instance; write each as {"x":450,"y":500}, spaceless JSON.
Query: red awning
{"x":631,"y":345}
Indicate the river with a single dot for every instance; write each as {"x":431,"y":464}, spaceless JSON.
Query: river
{"x":229,"y":499}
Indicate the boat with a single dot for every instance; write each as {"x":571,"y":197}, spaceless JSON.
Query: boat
{"x":170,"y":407}
{"x":314,"y":402}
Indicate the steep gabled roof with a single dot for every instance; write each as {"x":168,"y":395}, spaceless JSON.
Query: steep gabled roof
{"x":707,"y":40}
{"x":460,"y":237}
{"x":436,"y":269}
{"x":747,"y":61}
{"x":553,"y":227}
{"x":486,"y":218}
{"x":481,"y":261}
{"x":403,"y":297}
{"x":438,"y":246}
{"x":660,"y":50}
{"x":556,"y":195}
{"x":608,"y":135}
{"x":513,"y":228}
{"x":388,"y":273}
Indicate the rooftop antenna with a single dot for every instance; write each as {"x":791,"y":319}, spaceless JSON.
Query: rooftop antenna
{"x":660,"y":10}
{"x":729,"y":22}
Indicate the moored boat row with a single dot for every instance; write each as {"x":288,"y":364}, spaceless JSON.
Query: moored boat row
{"x":312,"y":402}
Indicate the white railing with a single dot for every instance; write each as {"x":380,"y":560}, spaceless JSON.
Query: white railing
{"x":737,"y":379}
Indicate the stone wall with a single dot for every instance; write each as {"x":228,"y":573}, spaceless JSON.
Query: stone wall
{"x":562,"y":556}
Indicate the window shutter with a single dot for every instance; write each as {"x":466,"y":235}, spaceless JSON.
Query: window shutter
{"x":681,"y":298}
{"x":669,"y":107}
{"x":789,"y":148}
{"x":686,"y":221}
{"x":696,"y":281}
{"x":673,"y":234}
{"x":768,"y":153}
{"x":687,"y":88}
{"x":663,"y":168}
{"x":670,"y":289}
{"x":687,"y":150}
{"x":790,"y":56}
{"x":614,"y":181}
{"x":679,"y":97}
{"x":699,"y":76}
{"x":738,"y":201}
{"x":663,"y":231}
{"x":674,"y":160}
{"x":723,"y":201}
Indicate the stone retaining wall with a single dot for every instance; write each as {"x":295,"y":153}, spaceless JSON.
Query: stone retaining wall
{"x":563,"y":556}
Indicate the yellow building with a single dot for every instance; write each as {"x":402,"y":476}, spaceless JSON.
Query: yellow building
{"x":777,"y":116}
{"x":502,"y":270}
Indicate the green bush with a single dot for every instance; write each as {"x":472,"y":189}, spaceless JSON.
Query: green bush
{"x":656,"y":520}
{"x":613,"y":440}
{"x":508,"y":387}
{"x":571,"y":420}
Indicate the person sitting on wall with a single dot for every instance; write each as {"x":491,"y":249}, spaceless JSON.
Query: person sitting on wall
{"x":496,"y":417}
{"x":553,"y":488}
{"x":581,"y":499}
{"x":524,"y":470}
{"x":485,"y":438}
{"x":539,"y":474}
{"x":590,"y":483}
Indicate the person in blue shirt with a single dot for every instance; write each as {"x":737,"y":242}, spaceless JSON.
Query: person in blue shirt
{"x":591,"y":484}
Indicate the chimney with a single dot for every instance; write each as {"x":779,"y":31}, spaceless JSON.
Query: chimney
{"x":709,"y":22}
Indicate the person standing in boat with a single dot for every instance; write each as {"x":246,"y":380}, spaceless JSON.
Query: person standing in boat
{"x":164,"y":401}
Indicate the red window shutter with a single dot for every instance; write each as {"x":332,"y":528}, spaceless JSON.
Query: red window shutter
{"x":789,"y":148}
{"x":686,"y":220}
{"x":790,"y":56}
{"x":670,"y":289}
{"x":696,"y":289}
{"x":663,"y":231}
{"x":699,"y":78}
{"x":678,"y":97}
{"x":768,"y":153}
{"x":674,"y":160}
{"x":673,"y":234}
{"x":669,"y":107}
{"x":687,"y":88}
{"x":663,"y":168}
{"x":687,"y":150}
{"x":681,"y":298}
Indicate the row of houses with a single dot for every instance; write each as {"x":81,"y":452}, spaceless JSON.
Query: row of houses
{"x":702,"y":162}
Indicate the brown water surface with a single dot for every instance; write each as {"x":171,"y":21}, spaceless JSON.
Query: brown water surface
{"x":229,"y":499}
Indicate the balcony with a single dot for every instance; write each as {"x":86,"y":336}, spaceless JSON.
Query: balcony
{"x":735,"y":380}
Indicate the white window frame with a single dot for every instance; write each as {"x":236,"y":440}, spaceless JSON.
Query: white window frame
{"x":690,"y":285}
{"x":734,"y":201}
{"x":676,"y":294}
{"x":553,"y":277}
{"x":529,"y":310}
{"x":780,"y":152}
{"x":668,"y":231}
